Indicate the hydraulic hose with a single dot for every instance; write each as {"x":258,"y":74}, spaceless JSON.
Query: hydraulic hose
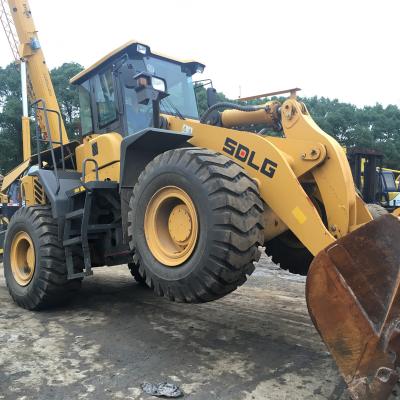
{"x":231,"y":106}
{"x":236,"y":115}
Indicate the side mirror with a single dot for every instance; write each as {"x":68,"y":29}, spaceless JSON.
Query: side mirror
{"x":211,"y":97}
{"x":149,"y":87}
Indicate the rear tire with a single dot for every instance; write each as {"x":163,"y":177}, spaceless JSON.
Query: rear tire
{"x":376,"y":210}
{"x":230,"y":224}
{"x":48,"y":286}
{"x":287,"y":251}
{"x":134,"y":269}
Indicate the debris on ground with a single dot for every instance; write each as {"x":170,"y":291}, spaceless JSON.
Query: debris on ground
{"x":162,"y":389}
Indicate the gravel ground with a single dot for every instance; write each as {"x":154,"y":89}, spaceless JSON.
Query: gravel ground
{"x":257,"y":343}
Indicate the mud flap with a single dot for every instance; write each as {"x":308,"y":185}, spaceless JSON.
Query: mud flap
{"x":353,"y":298}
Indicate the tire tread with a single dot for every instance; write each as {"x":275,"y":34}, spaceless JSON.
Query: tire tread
{"x":237,"y":233}
{"x":51,"y":287}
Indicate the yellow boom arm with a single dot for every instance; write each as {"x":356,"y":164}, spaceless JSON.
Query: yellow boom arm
{"x":39,"y":81}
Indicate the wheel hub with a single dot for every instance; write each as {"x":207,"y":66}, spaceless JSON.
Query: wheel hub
{"x":22,"y":258}
{"x":171,"y":226}
{"x":180,"y":224}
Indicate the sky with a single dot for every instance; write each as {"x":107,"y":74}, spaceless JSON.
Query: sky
{"x":333,"y":48}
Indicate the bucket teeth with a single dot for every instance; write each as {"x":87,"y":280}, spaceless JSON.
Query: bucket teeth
{"x":379,"y":389}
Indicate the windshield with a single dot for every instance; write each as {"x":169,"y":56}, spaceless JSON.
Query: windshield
{"x":179,"y":86}
{"x":181,"y":100}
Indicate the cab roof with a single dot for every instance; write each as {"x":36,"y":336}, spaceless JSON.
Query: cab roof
{"x":131,"y":45}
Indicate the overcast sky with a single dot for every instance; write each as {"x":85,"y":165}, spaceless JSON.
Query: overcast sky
{"x":348,"y":50}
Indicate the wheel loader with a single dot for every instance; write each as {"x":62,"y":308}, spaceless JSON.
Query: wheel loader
{"x":377,"y":185}
{"x":187,"y":200}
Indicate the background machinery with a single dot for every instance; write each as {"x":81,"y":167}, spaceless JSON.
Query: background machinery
{"x":377,"y":185}
{"x":186,"y":201}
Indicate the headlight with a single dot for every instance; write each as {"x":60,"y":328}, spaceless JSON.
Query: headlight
{"x":158,"y":84}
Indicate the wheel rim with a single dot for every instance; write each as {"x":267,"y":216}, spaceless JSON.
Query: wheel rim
{"x":22,"y":258}
{"x":171,"y":226}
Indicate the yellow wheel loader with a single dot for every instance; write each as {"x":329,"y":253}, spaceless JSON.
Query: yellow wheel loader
{"x":187,"y":201}
{"x":377,"y":185}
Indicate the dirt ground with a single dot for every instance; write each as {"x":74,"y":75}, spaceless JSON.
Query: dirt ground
{"x":257,"y":343}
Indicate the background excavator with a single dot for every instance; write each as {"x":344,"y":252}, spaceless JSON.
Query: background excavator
{"x":186,"y":201}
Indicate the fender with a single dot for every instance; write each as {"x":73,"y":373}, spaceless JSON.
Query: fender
{"x":137,"y":151}
{"x":57,"y":195}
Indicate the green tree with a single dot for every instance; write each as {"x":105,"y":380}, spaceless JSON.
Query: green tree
{"x":10,"y":118}
{"x":374,"y":127}
{"x":67,"y":95}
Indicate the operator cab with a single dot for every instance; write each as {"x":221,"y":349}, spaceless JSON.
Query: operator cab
{"x":127,"y":90}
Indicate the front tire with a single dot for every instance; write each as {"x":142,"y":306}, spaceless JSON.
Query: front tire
{"x":34,"y":260}
{"x":194,"y":225}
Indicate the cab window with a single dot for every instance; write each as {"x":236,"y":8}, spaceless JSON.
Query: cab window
{"x":389,"y":182}
{"x":85,"y":109}
{"x":105,"y":98}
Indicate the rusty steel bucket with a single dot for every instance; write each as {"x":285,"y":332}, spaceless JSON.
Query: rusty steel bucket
{"x":353,"y":298}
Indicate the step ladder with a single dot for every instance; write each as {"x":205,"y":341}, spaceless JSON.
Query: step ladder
{"x":78,"y":228}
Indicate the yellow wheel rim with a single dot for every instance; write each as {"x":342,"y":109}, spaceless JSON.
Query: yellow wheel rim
{"x":22,"y":258}
{"x":171,"y":226}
